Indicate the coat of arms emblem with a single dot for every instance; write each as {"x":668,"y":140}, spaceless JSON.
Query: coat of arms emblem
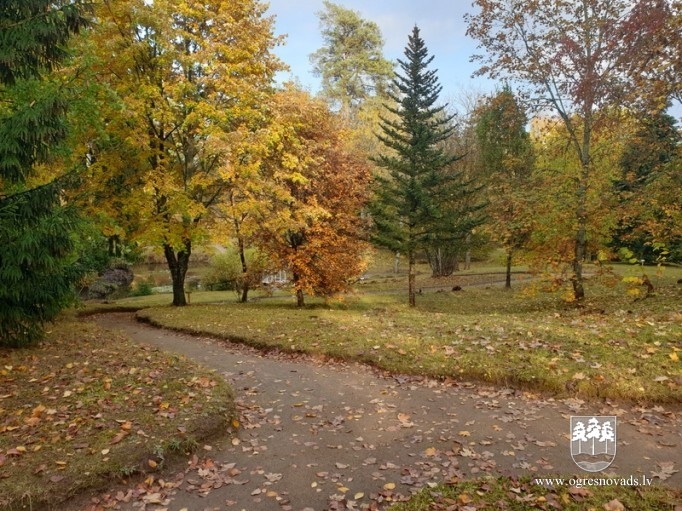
{"x":593,"y":441}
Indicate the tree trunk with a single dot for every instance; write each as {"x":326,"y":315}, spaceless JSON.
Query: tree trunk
{"x":300,"y":298}
{"x":507,"y":281}
{"x":411,"y":279}
{"x":396,"y":262}
{"x":581,"y":231}
{"x":467,"y":255}
{"x":245,"y":270}
{"x":178,"y":264}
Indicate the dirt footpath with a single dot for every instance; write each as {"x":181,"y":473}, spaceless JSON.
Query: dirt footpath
{"x":319,"y":436}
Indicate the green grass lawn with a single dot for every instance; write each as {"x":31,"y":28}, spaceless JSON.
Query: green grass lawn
{"x":522,"y":494}
{"x":614,"y":345}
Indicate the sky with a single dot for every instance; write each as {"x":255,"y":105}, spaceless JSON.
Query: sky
{"x":441,"y":24}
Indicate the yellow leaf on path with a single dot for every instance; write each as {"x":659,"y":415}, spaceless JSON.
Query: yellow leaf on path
{"x":389,"y":486}
{"x":431,"y":451}
{"x":358,"y":495}
{"x":464,"y":433}
{"x":674,"y":357}
{"x":152,"y":463}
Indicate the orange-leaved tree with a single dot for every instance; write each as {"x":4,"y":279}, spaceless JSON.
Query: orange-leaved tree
{"x":188,"y":78}
{"x":311,"y":218}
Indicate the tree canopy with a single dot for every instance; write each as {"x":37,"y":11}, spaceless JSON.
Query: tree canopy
{"x":411,"y":205}
{"x":37,"y":270}
{"x":351,"y":62}
{"x":577,"y":59}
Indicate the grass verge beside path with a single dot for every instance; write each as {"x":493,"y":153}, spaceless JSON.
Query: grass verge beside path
{"x":521,"y":495}
{"x":87,"y":405}
{"x":612,"y":347}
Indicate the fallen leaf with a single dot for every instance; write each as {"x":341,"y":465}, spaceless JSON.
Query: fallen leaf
{"x":389,"y":486}
{"x":667,"y":469}
{"x":614,"y":505}
{"x":120,"y":436}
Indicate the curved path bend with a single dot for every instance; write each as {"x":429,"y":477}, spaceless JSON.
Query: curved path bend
{"x":320,"y":436}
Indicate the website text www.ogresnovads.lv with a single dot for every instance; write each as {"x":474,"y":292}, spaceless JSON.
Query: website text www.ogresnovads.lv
{"x":580,"y":482}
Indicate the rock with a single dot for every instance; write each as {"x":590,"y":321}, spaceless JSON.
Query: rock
{"x":113,"y":279}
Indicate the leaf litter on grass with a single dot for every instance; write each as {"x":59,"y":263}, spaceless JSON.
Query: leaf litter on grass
{"x":610,"y":348}
{"x":87,"y":404}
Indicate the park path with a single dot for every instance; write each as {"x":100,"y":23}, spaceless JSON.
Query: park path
{"x":320,"y":436}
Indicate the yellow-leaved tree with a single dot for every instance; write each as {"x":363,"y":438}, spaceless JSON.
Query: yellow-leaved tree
{"x":187,"y":80}
{"x":310,"y":216}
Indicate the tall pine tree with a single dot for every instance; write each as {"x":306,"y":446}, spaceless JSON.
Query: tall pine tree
{"x":36,"y":268}
{"x":413,"y":204}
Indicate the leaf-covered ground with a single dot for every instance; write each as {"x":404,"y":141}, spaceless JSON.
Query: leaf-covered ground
{"x":611,"y":347}
{"x":521,"y":495}
{"x":86,"y":405}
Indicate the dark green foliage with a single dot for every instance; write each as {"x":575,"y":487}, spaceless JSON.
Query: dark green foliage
{"x":34,"y":34}
{"x":37,"y":240}
{"x":408,"y":199}
{"x":29,"y":127}
{"x":36,"y":272}
{"x":422,"y":201}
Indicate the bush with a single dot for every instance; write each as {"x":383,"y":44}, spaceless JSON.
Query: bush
{"x":225,"y":271}
{"x":143,"y":287}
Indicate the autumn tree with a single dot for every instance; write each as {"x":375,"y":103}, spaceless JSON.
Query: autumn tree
{"x":191,"y":77}
{"x":351,"y":62}
{"x":506,"y":158}
{"x":414,"y":200}
{"x":37,"y":264}
{"x":574,"y":58}
{"x":552,"y":197}
{"x":648,"y":211}
{"x":310,"y":216}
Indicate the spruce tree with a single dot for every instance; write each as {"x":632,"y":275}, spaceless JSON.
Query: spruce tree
{"x":37,"y":269}
{"x":413,"y":204}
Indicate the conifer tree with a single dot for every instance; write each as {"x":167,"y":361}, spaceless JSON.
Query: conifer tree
{"x":36,"y":242}
{"x":413,"y":204}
